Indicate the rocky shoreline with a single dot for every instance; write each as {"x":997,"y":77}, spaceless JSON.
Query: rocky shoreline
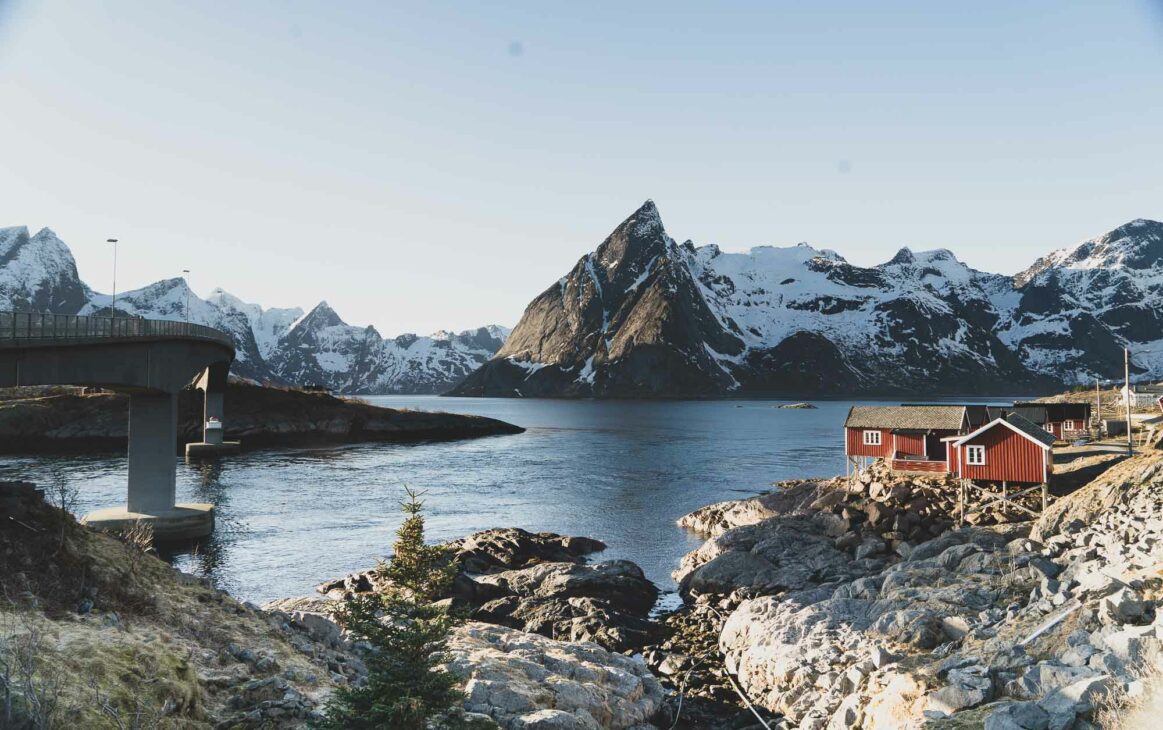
{"x":827,"y":604}
{"x":67,"y":421}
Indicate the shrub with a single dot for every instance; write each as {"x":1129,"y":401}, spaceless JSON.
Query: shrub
{"x":407,"y":633}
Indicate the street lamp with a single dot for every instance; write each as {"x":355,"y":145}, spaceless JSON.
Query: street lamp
{"x":186,"y":273}
{"x":113,"y":307}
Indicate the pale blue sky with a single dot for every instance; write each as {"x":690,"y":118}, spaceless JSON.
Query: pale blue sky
{"x":424,"y":165}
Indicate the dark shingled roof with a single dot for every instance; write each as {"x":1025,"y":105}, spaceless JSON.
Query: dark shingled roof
{"x":1046,"y":412}
{"x":1032,"y":430}
{"x":929,"y":418}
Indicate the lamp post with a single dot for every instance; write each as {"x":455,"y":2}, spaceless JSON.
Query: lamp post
{"x":186,"y":273}
{"x":113,"y":307}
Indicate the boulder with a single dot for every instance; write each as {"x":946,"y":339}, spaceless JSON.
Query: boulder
{"x":1080,"y":698}
{"x":512,"y":547}
{"x":1017,"y":716}
{"x":620,"y":583}
{"x":770,"y":557}
{"x":522,"y":680}
{"x":967,"y":687}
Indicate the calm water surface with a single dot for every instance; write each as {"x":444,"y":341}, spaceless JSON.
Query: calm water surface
{"x":622,"y":472}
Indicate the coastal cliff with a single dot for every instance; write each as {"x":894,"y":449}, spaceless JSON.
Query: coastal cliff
{"x":65,"y":420}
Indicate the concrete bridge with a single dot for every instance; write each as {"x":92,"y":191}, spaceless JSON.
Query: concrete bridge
{"x":150,"y":360}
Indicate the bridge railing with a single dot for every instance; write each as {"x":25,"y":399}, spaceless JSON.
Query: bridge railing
{"x":35,"y":326}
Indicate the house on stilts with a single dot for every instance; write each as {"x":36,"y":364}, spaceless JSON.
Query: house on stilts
{"x":983,"y":447}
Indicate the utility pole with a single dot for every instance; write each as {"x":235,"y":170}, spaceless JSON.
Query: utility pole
{"x":186,"y":273}
{"x":113,"y":307}
{"x":1096,"y":422}
{"x":1127,"y":398}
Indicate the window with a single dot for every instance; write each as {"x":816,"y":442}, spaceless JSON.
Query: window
{"x":1068,"y":425}
{"x":872,"y":438}
{"x":975,"y":455}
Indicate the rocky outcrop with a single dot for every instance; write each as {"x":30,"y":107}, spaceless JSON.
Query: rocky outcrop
{"x":258,"y":416}
{"x":541,"y":583}
{"x":984,"y":625}
{"x":817,"y":531}
{"x":527,"y":682}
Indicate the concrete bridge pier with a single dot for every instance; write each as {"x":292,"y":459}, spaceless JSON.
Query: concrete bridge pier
{"x":212,"y":383}
{"x":153,"y":471}
{"x":153,"y":431}
{"x":151,"y":361}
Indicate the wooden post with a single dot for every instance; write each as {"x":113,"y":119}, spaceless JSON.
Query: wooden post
{"x":1044,"y":496}
{"x":961,"y":503}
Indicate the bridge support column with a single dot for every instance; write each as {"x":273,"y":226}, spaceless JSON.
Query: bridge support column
{"x":212,"y":383}
{"x":153,"y":466}
{"x":153,"y":471}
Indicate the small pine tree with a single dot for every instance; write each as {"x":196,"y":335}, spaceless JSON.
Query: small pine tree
{"x":405,"y":689}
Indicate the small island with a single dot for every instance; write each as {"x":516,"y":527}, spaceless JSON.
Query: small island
{"x":69,"y":420}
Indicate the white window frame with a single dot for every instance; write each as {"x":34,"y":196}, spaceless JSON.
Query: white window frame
{"x":1068,"y":425}
{"x":873,"y":438}
{"x":974,"y":455}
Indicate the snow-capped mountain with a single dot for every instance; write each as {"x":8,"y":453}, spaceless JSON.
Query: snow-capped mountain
{"x":38,"y":273}
{"x":1072,"y":312}
{"x":321,"y":348}
{"x":645,"y":316}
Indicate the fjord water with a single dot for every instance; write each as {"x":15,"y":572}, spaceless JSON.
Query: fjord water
{"x":619,"y":471}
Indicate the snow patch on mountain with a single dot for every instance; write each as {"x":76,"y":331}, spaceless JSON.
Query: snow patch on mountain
{"x":642,"y":315}
{"x":38,"y":273}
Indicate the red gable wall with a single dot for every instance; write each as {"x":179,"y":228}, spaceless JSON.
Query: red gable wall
{"x":1009,"y":457}
{"x":855,"y":446}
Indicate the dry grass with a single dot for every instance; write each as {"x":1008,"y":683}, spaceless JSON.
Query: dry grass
{"x":1140,"y":709}
{"x":145,"y":654}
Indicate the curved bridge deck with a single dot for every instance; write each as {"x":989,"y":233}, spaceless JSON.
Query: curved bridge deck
{"x":24,"y":329}
{"x":149,"y":359}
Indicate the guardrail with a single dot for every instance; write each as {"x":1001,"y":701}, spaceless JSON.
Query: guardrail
{"x":33,"y":326}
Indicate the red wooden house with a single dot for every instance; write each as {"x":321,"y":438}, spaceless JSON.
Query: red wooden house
{"x":908,"y":438}
{"x":1066,"y":421}
{"x":1006,"y":450}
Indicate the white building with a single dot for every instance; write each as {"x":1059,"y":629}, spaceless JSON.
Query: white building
{"x":1142,"y":396}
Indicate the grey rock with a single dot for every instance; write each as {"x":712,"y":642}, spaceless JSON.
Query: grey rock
{"x":1123,"y":606}
{"x":1017,"y":716}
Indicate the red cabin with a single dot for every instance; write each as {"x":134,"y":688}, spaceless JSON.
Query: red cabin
{"x":1008,"y":450}
{"x":1066,"y":421}
{"x":909,"y":438}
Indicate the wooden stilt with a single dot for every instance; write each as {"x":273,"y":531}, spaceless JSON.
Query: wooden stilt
{"x":961,"y":503}
{"x":1044,"y":496}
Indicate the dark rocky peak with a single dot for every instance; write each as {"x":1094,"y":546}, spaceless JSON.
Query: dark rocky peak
{"x":321,"y":316}
{"x":481,"y":339}
{"x":632,"y":245}
{"x":904,"y":256}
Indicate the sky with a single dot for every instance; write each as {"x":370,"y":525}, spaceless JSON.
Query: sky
{"x":427,"y":166}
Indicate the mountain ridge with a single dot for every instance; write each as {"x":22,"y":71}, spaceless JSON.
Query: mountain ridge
{"x":643,"y":315}
{"x":277,"y":345}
